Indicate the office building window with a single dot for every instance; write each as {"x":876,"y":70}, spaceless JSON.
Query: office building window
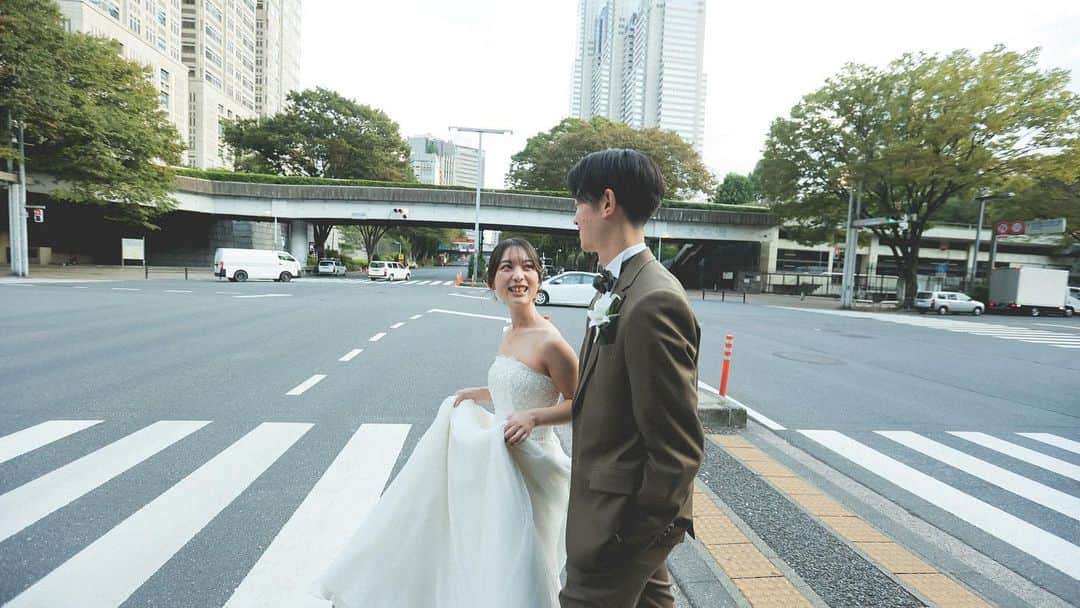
{"x":161,"y":17}
{"x":164,"y":99}
{"x":113,"y":9}
{"x":134,"y":24}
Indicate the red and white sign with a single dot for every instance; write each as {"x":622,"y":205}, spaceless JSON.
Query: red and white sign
{"x":1010,"y":228}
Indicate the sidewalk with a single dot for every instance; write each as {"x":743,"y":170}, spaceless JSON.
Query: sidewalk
{"x":769,"y":299}
{"x":112,"y":273}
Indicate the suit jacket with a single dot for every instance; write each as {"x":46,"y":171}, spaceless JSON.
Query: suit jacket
{"x":637,"y":440}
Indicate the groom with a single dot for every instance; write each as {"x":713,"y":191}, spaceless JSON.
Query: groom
{"x":637,"y":441}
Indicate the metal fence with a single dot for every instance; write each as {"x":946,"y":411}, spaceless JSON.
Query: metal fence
{"x":870,"y":287}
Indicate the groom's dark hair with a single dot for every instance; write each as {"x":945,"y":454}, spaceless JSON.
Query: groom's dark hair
{"x":633,"y":177}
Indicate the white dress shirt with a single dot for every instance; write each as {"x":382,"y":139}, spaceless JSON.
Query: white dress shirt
{"x":615,"y":265}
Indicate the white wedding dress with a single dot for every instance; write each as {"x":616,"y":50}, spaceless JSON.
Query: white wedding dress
{"x":468,"y":522}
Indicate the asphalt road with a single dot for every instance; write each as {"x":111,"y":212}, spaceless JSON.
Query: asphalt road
{"x":222,"y":358}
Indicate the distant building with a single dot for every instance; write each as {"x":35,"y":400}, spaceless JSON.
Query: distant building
{"x":444,"y":163}
{"x":212,"y":60}
{"x":639,"y":62}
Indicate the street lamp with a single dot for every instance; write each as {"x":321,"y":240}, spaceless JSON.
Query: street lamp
{"x":982,"y":198}
{"x":479,"y":184}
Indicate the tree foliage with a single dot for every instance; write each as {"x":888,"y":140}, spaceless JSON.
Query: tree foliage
{"x":91,"y":118}
{"x":738,"y":189}
{"x":549,"y":156}
{"x":321,"y":134}
{"x":925,"y":130}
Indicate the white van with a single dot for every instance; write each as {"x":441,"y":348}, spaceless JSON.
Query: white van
{"x":244,"y":264}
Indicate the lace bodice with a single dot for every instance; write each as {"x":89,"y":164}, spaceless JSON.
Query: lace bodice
{"x":515,"y":386}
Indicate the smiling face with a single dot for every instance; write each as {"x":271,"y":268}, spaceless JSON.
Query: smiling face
{"x":516,"y":278}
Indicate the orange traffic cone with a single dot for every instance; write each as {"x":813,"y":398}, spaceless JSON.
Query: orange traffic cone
{"x":458,"y":280}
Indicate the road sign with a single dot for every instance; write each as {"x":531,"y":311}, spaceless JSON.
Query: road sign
{"x":1013,"y":228}
{"x":1055,"y":226}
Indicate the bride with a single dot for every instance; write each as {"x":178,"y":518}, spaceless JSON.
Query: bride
{"x":476,"y":517}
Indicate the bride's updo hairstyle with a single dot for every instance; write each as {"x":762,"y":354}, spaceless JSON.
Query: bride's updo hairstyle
{"x":497,"y":256}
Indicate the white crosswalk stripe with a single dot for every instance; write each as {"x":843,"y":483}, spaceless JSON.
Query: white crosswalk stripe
{"x":932,"y":481}
{"x":1056,"y":339}
{"x":110,"y":568}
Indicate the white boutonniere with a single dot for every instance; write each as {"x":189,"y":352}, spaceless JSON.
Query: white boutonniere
{"x":603,"y":312}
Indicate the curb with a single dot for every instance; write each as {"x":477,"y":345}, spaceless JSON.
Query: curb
{"x":720,"y":412}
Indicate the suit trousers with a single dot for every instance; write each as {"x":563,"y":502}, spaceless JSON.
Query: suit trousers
{"x":640,"y":580}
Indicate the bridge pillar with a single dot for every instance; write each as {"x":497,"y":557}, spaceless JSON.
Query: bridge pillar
{"x":298,"y":240}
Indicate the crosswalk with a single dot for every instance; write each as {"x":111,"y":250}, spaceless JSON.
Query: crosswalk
{"x":110,"y":568}
{"x":1020,"y":488}
{"x":1057,"y":339}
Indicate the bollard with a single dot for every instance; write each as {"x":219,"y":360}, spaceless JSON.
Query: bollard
{"x":729,"y":345}
{"x":146,"y":271}
{"x":744,"y":297}
{"x":185,"y":273}
{"x":723,"y":296}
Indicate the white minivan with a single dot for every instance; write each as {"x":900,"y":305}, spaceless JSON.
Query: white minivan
{"x":244,"y":264}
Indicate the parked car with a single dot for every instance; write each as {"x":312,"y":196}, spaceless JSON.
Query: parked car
{"x":391,"y":271}
{"x":573,"y":288}
{"x":334,"y":267}
{"x":945,"y":302}
{"x":244,"y":264}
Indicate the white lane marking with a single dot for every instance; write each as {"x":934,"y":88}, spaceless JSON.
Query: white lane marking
{"x":80,"y":287}
{"x":16,"y":284}
{"x":322,"y":524}
{"x":423,"y":282}
{"x":377,"y":337}
{"x":124,"y":289}
{"x":223,"y":293}
{"x":32,"y":438}
{"x":306,"y":384}
{"x":448,"y":283}
{"x":178,"y":291}
{"x":267,"y":295}
{"x":1072,"y":327}
{"x":1040,"y":544}
{"x":1058,"y":442}
{"x":35,"y":499}
{"x":352,"y":353}
{"x":762,"y":419}
{"x":111,"y":568}
{"x":1054,"y":465}
{"x":415,"y":317}
{"x":1017,"y":484}
{"x":397,"y":325}
{"x":469,"y":314}
{"x":461,"y":295}
{"x":1065,"y":346}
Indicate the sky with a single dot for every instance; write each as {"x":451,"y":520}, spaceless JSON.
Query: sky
{"x":506,"y":64}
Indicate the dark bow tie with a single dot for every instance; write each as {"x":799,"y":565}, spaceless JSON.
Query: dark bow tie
{"x":604,"y":282}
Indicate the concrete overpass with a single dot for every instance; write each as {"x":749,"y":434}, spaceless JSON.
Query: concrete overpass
{"x":302,"y":205}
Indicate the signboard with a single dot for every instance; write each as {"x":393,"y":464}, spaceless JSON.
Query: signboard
{"x":1013,"y":228}
{"x":1055,"y":226}
{"x":131,"y":249}
{"x":943,"y":268}
{"x":727,"y":276}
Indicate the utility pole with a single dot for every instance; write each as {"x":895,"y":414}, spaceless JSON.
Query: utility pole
{"x":479,"y":184}
{"x":847,"y":289}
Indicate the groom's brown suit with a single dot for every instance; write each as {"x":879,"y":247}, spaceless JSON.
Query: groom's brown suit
{"x":637,"y":444}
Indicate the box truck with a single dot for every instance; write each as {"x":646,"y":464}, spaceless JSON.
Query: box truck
{"x":1029,"y":290}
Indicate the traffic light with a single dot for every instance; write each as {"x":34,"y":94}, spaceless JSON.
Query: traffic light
{"x":403,"y":212}
{"x":39,"y":216}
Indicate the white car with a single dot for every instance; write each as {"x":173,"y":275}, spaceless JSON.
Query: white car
{"x":573,"y":288}
{"x":391,"y":271}
{"x":335,"y":267}
{"x":945,"y":302}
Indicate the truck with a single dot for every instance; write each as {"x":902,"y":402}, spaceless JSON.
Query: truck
{"x":1029,"y":290}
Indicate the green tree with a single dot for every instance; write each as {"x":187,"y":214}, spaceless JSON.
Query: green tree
{"x":925,"y":130}
{"x":321,"y":134}
{"x":549,"y":156}
{"x":738,"y":189}
{"x":91,"y":119}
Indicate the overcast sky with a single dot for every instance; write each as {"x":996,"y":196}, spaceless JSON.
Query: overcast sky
{"x":507,"y":64}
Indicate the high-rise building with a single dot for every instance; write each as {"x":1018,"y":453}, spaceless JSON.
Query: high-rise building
{"x":436,"y":161}
{"x":640,"y":62}
{"x":204,"y":56}
{"x":149,"y":34}
{"x":277,"y":53}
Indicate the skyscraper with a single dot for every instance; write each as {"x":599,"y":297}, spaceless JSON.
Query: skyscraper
{"x":212,"y":60}
{"x":640,"y":62}
{"x":435,"y":161}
